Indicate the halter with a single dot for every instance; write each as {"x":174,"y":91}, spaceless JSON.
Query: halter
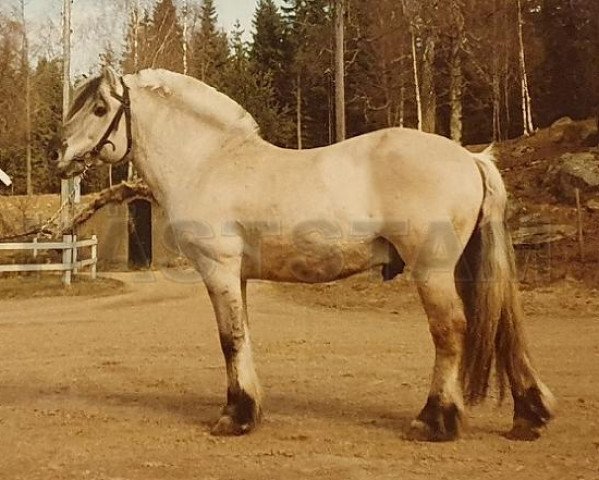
{"x":124,"y":109}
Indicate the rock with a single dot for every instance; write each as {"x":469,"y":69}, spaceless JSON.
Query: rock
{"x":581,"y":133}
{"x":593,"y":204}
{"x":541,"y":234}
{"x":578,"y":170}
{"x":556,"y":131}
{"x":515,"y":207}
{"x":522,"y":150}
{"x":560,"y":122}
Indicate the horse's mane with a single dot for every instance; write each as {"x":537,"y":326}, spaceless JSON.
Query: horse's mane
{"x":200,"y":98}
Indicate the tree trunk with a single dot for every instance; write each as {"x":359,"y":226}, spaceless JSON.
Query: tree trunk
{"x":429,"y":97}
{"x":69,"y":189}
{"x":339,"y":71}
{"x":456,"y":81}
{"x":185,"y":67}
{"x":402,"y":106}
{"x":298,"y":110}
{"x":27,"y":75}
{"x":416,"y":80}
{"x":130,"y":169}
{"x":526,"y":102}
{"x":496,"y":75}
{"x":497,"y":134}
{"x":456,"y":121}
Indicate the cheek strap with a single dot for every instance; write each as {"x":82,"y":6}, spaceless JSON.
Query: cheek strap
{"x":124,"y":109}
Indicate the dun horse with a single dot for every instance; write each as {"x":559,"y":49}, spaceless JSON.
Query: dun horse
{"x":241,"y":209}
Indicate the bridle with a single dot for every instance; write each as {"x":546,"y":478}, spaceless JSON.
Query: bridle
{"x":124,"y":109}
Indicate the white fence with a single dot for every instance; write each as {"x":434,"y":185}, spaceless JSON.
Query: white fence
{"x":70,"y":256}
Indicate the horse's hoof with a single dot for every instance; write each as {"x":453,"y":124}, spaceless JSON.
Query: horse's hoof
{"x":437,"y":422}
{"x":227,"y":427}
{"x":419,"y":431}
{"x":422,"y":432}
{"x":532,"y":412}
{"x":524,"y":431}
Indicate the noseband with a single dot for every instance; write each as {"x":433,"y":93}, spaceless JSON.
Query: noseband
{"x":124,"y":109}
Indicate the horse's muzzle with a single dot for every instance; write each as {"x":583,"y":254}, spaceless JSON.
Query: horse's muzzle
{"x":71,"y":169}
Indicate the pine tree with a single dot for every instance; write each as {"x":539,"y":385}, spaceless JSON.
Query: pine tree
{"x":254,"y":90}
{"x":165,"y":38}
{"x":270,"y":49}
{"x":309,"y":23}
{"x":569,"y":71}
{"x":159,"y":42}
{"x":209,"y":47}
{"x":47,"y":104}
{"x":379,"y":76}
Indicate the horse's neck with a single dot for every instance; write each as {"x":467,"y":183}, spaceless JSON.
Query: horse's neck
{"x":172,"y":146}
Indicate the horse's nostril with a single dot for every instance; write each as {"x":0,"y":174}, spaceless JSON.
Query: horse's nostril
{"x":54,"y":155}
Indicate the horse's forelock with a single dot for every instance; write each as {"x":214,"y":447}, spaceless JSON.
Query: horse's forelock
{"x":83,"y":93}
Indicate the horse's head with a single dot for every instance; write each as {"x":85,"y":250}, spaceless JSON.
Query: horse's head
{"x":97,"y":127}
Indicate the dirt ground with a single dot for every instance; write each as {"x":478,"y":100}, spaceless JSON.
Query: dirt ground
{"x":126,"y":387}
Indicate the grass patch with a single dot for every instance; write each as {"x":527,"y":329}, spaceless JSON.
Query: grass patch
{"x":47,"y":285}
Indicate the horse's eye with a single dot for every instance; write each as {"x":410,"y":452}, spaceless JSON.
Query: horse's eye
{"x":100,"y":111}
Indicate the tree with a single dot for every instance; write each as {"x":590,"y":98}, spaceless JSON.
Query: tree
{"x":25,"y":72}
{"x":566,"y":78}
{"x":46,"y":106}
{"x":340,"y":126}
{"x":309,"y":26}
{"x":154,"y":40}
{"x":209,"y":47}
{"x":12,"y":112}
{"x":424,"y":21}
{"x":269,"y":51}
{"x":380,"y":76}
{"x":254,"y":90}
{"x":165,"y":38}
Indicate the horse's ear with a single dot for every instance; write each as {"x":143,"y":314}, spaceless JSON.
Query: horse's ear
{"x":110,"y":77}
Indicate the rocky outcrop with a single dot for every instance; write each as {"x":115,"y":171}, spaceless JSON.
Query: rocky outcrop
{"x":578,"y":170}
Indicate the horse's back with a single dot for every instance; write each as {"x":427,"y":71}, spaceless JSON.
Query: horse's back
{"x":401,"y":174}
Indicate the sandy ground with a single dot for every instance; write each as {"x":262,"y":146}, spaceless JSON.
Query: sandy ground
{"x":126,"y":387}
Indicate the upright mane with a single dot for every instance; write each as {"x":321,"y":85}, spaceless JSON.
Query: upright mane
{"x":202,"y":99}
{"x":83,"y":91}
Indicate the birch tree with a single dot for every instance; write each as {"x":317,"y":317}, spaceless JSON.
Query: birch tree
{"x":423,"y":16}
{"x":526,"y":101}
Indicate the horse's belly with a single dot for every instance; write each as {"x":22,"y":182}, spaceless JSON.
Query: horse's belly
{"x":285,"y":260}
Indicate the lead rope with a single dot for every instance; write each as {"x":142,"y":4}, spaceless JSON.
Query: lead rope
{"x":52,"y":220}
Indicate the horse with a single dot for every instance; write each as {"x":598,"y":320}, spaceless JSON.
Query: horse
{"x":241,"y":209}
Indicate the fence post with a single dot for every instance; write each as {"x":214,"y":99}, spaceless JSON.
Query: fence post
{"x":74,"y":256}
{"x":67,"y":257}
{"x":35,"y":249}
{"x":94,"y":272}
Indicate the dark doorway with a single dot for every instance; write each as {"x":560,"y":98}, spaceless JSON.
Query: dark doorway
{"x":140,"y":234}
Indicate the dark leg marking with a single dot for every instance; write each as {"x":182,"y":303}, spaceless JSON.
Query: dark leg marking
{"x":242,"y":408}
{"x":443,"y":421}
{"x":240,"y":416}
{"x":228,"y":347}
{"x":530,"y":415}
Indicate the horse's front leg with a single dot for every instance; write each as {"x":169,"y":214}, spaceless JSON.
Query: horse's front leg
{"x":227,"y":293}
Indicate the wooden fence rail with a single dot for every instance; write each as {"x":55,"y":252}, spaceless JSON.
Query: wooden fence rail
{"x":71,"y":264}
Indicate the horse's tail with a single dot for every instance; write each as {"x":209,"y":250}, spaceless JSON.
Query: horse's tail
{"x":486,"y":277}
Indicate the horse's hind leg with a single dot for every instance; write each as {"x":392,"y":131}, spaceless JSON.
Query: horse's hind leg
{"x":242,"y":411}
{"x":442,"y":416}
